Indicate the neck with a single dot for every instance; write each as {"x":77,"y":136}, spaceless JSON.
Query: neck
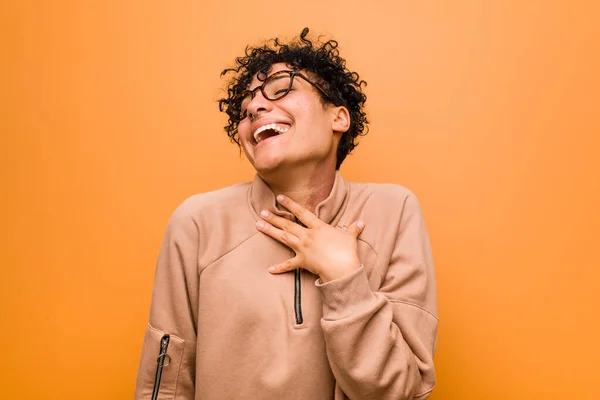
{"x":306,"y":189}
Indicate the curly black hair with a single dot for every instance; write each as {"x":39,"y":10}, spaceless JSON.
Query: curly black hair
{"x":344,"y":87}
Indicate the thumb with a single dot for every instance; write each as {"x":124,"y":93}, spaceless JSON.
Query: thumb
{"x":356,"y":228}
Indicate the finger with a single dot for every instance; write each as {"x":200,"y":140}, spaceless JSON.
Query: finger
{"x":356,"y":228}
{"x":282,"y":223}
{"x":286,"y":266}
{"x":309,"y":219}
{"x":281,"y":236}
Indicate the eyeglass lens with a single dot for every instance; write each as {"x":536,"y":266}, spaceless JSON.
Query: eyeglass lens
{"x":275,"y":87}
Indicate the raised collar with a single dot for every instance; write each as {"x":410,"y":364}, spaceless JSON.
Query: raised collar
{"x":330,"y":210}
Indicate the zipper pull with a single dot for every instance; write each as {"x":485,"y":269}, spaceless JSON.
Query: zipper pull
{"x":160,"y":364}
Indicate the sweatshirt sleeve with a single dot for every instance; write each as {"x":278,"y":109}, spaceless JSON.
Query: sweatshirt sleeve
{"x":173,"y":312}
{"x":381,"y":344}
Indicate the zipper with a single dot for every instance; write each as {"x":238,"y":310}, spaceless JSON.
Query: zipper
{"x":298,"y":290}
{"x":298,"y":296}
{"x":160,"y":364}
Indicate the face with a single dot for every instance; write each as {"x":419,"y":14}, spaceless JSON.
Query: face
{"x":294,"y":132}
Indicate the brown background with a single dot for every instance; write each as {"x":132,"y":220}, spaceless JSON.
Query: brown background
{"x":488,"y":111}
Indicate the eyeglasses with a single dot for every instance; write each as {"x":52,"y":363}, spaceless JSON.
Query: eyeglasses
{"x":275,"y":87}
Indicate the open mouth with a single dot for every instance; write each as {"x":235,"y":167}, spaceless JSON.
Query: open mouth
{"x":269,"y":131}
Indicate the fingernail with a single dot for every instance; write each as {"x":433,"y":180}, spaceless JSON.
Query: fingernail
{"x":264,"y":213}
{"x":260,"y":224}
{"x":280,"y":198}
{"x":272,"y":269}
{"x":361,"y":225}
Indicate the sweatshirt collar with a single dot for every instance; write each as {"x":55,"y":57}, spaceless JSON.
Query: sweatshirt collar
{"x":330,"y":210}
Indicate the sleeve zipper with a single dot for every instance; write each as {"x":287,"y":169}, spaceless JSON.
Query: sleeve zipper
{"x":160,"y":364}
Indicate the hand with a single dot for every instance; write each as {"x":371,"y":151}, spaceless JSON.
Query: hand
{"x":320,"y":248}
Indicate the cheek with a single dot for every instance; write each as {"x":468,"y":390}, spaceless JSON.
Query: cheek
{"x":315,"y":125}
{"x":244,"y":132}
{"x":243,"y":127}
{"x":307,"y":118}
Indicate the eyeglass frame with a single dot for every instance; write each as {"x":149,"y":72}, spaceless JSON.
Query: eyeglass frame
{"x":292,"y":73}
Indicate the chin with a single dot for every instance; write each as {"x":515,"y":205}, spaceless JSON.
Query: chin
{"x":274,"y":167}
{"x":267,"y":168}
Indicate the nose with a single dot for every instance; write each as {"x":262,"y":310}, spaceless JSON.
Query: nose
{"x":259,"y":104}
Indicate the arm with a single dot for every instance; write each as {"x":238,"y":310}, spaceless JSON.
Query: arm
{"x":381,"y":344}
{"x":173,"y":312}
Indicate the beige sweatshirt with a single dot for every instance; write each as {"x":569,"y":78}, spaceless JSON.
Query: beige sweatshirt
{"x":235,"y":331}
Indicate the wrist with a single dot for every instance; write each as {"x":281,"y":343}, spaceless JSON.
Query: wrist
{"x":339,"y":271}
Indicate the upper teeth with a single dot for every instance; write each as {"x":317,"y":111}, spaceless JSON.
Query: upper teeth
{"x":274,"y":127}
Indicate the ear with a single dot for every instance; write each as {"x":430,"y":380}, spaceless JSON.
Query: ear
{"x":341,"y":119}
